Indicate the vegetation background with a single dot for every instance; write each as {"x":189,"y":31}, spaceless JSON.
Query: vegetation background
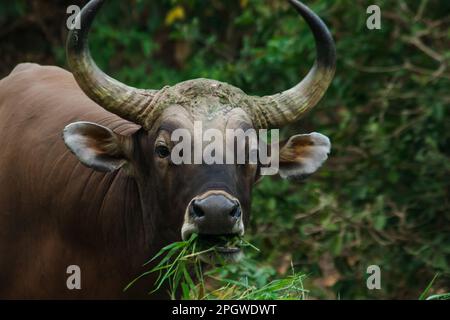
{"x":384,"y":195}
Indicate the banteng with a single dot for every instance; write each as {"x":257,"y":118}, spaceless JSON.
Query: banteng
{"x":105,"y":196}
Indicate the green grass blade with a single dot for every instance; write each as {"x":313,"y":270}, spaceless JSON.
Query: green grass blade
{"x":428,"y":288}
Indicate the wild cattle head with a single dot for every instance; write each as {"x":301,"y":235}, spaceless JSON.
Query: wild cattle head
{"x":209,"y":199}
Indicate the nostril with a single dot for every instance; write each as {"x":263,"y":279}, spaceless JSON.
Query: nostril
{"x":196,"y":210}
{"x":236,"y":212}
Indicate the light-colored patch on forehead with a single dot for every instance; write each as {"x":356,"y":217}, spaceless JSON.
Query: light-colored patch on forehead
{"x":204,"y":99}
{"x":208,"y":108}
{"x":222,"y":119}
{"x":177,"y":113}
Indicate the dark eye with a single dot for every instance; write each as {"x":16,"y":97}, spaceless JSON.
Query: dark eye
{"x":162,"y":151}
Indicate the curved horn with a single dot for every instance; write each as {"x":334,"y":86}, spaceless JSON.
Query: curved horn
{"x":127,"y":102}
{"x":288,"y":106}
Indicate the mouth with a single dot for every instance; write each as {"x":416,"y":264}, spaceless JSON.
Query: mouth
{"x":220,"y":248}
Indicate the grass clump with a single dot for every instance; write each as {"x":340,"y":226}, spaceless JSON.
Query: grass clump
{"x":182,"y":271}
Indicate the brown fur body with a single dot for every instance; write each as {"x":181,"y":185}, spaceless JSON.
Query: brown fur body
{"x":55,"y":212}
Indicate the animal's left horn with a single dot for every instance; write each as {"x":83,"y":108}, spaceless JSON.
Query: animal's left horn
{"x":288,"y":106}
{"x":127,"y":102}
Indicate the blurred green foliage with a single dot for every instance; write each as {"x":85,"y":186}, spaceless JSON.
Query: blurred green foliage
{"x":383,"y":196}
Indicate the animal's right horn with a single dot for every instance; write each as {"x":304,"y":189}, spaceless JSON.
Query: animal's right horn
{"x":127,"y":102}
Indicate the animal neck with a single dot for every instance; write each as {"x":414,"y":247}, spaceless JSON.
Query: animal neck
{"x":134,"y":225}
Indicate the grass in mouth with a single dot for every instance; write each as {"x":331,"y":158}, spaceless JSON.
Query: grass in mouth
{"x":181,"y":268}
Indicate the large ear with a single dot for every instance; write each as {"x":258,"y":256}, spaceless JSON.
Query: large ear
{"x":96,"y":146}
{"x":303,"y":154}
